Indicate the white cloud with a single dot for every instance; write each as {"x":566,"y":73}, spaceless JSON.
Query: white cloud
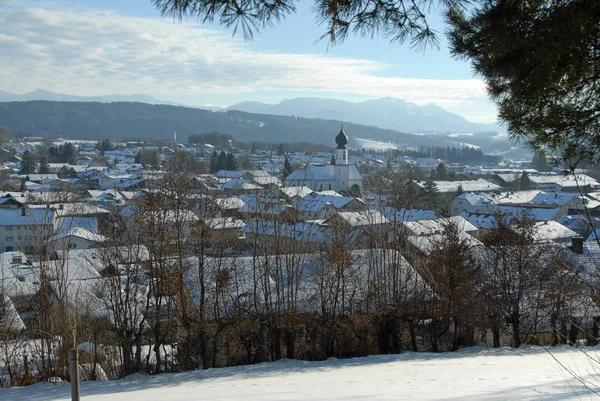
{"x":98,"y":52}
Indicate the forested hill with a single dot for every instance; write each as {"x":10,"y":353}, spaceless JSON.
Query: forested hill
{"x":130,"y":121}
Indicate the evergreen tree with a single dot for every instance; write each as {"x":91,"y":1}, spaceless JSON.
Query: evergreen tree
{"x":44,"y":165}
{"x":441,"y":172}
{"x":231,"y":164}
{"x":432,"y":200}
{"x":214,"y":162}
{"x":27,"y":163}
{"x":332,"y":161}
{"x":355,"y":191}
{"x":222,"y":164}
{"x":287,"y":168}
{"x":540,"y":162}
{"x":524,"y":182}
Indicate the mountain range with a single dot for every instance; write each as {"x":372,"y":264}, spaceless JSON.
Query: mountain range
{"x":386,"y":112}
{"x":389,"y":113}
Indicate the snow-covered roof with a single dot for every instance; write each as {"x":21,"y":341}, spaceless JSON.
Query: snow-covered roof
{"x":533,"y":213}
{"x":480,"y":220}
{"x":229,"y":203}
{"x":563,"y":180}
{"x":224,"y":223}
{"x":437,"y":226}
{"x":479,"y":185}
{"x":78,"y":232}
{"x":300,"y":191}
{"x":477,"y":199}
{"x":552,"y":231}
{"x":361,"y":218}
{"x":32,"y":217}
{"x":239,"y":184}
{"x":398,"y":215}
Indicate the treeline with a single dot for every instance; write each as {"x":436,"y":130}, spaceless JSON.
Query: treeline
{"x":222,"y":141}
{"x":466,"y":155}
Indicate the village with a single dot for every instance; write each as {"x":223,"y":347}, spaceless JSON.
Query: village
{"x":146,"y":262}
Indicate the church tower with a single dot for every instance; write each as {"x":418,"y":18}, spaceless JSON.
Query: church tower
{"x":341,"y":152}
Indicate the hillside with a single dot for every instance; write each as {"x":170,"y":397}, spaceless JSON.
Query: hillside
{"x":129,"y":121}
{"x":527,"y":373}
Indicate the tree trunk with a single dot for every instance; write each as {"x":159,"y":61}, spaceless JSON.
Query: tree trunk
{"x":516,"y":334}
{"x":290,"y":343}
{"x":496,"y":336}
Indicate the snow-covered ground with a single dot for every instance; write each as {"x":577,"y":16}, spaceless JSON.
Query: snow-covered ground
{"x":528,"y":373}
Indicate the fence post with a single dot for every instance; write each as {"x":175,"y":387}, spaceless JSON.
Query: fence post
{"x":74,"y":373}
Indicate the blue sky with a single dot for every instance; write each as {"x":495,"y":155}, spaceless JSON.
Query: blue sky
{"x":93,"y":47}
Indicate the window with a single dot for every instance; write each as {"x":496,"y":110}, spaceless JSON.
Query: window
{"x":9,"y":239}
{"x":330,"y":187}
{"x":9,"y":249}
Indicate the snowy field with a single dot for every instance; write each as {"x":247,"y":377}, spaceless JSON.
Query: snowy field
{"x":529,"y":373}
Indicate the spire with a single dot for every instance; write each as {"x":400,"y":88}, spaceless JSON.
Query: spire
{"x":341,"y":139}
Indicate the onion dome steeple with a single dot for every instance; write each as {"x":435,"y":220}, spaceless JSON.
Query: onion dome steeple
{"x":341,"y":139}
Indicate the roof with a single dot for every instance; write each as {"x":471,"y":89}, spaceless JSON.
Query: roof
{"x":360,"y":219}
{"x":42,"y":177}
{"x":229,"y":203}
{"x":480,"y":220}
{"x":563,"y":180}
{"x":467,"y":186}
{"x":428,"y":243}
{"x":324,"y":172}
{"x":224,"y":223}
{"x":237,"y":183}
{"x":78,"y":232}
{"x":552,"y":231}
{"x":74,"y":209}
{"x":437,"y":226}
{"x":398,"y":215}
{"x":477,"y":199}
{"x":300,"y":191}
{"x":33,"y":217}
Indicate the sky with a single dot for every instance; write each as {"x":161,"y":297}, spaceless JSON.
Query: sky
{"x":94,"y":47}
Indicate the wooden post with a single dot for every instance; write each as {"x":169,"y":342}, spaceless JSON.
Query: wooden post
{"x":74,"y":373}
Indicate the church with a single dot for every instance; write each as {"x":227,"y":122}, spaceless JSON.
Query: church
{"x":339,"y":177}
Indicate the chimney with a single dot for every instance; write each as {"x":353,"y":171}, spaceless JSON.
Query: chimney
{"x":23,"y":211}
{"x":61,"y":207}
{"x":577,"y":245}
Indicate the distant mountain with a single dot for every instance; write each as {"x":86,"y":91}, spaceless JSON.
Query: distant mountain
{"x":40,"y":94}
{"x":387,"y":112}
{"x":129,"y":121}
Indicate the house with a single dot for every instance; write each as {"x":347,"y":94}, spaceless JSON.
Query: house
{"x":74,"y":238}
{"x":471,"y":202}
{"x":104,"y":198}
{"x":25,"y":228}
{"x":338,"y":177}
{"x":574,"y":183}
{"x":223,"y":232}
{"x":228,"y":207}
{"x":363,"y":228}
{"x":319,"y":206}
{"x":77,"y":214}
